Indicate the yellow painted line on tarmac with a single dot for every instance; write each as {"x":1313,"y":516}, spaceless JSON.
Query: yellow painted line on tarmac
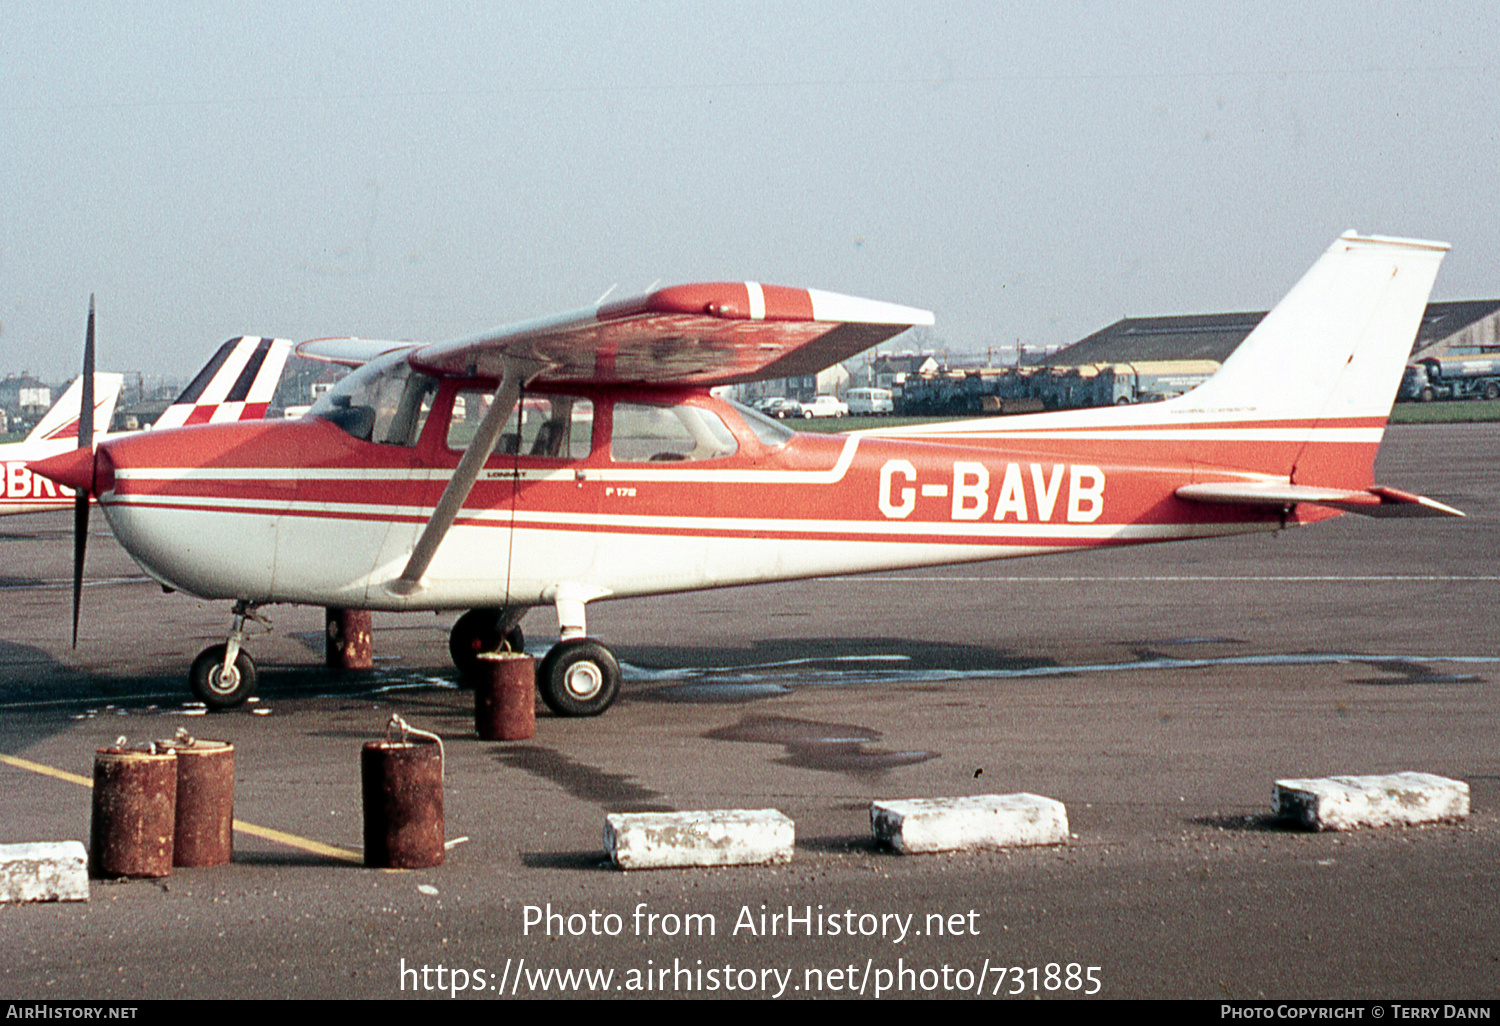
{"x":293,"y":841}
{"x":46,"y":771}
{"x":265,"y":833}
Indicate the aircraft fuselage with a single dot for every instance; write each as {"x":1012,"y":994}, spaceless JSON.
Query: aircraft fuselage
{"x":307,"y":512}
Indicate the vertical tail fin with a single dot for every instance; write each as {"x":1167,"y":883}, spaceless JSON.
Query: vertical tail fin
{"x":1302,"y":401}
{"x":1328,"y":359}
{"x":62,"y":420}
{"x":237,"y":383}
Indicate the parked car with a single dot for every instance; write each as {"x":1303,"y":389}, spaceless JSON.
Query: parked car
{"x":870,"y":401}
{"x":826,"y":406}
{"x":781,"y":407}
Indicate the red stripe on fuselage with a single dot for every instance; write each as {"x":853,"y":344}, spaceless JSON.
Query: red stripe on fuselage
{"x":386,"y":483}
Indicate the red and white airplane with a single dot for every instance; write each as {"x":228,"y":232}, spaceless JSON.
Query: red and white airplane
{"x":21,"y":491}
{"x":582,"y":457}
{"x":237,"y":383}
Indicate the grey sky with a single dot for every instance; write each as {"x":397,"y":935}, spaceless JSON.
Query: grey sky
{"x":425,"y":170}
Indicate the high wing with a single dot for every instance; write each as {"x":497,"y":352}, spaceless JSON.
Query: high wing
{"x":707,"y":334}
{"x":699,"y":335}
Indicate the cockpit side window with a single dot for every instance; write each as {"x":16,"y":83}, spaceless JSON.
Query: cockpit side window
{"x":384,"y":401}
{"x":657,"y":434}
{"x":549,"y":426}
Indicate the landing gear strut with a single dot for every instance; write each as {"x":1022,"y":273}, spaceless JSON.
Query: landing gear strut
{"x":223,"y":676}
{"x":484,"y":630}
{"x":577,"y":677}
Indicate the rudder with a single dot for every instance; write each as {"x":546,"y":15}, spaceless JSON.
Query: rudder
{"x":1328,"y":359}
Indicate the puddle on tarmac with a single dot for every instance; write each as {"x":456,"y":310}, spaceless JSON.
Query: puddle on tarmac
{"x":753,"y":681}
{"x":809,"y":744}
{"x":770,"y":679}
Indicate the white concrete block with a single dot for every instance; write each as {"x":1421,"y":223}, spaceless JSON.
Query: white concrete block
{"x":920,"y":825}
{"x":1344,"y":803}
{"x":49,"y":871}
{"x":720,"y":837}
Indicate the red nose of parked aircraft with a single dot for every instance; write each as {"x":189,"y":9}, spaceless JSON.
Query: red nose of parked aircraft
{"x":74,"y":469}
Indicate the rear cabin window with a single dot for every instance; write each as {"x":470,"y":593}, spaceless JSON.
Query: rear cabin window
{"x":664,"y":434}
{"x":549,"y":426}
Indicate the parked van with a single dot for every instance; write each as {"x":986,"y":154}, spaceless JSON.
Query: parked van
{"x":869,"y":401}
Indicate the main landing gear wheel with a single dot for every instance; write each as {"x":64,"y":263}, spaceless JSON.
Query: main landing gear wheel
{"x":478,"y":631}
{"x":578,"y":677}
{"x":217,"y":689}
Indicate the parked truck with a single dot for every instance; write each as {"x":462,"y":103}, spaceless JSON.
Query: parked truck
{"x":1119,"y":384}
{"x":1467,"y":377}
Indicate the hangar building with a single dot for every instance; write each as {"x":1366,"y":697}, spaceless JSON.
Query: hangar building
{"x":1459,"y":328}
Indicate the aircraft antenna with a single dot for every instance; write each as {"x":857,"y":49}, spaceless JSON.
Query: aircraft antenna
{"x":601,"y":299}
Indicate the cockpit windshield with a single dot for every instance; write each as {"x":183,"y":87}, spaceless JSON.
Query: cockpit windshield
{"x":385,"y":401}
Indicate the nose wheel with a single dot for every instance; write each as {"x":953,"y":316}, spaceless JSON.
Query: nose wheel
{"x":223,"y":676}
{"x":578,"y":677}
{"x":220,"y":684}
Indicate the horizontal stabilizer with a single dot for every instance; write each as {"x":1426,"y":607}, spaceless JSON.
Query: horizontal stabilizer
{"x":1376,"y":501}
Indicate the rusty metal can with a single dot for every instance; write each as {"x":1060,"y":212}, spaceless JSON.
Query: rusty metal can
{"x":134,"y":812}
{"x":403,"y":804}
{"x":349,"y":644}
{"x":505,"y":696}
{"x":204,"y":835}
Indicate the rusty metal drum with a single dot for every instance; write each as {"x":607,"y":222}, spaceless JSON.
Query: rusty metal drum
{"x":134,"y":813}
{"x":204,"y":834}
{"x":348,"y":641}
{"x":403,"y":803}
{"x":505,"y":696}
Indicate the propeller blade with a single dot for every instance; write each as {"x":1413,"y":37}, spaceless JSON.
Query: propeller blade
{"x":86,"y":408}
{"x":85,"y":441}
{"x":80,"y":542}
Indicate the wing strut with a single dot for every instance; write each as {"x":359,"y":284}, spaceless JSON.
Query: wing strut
{"x":517,"y":373}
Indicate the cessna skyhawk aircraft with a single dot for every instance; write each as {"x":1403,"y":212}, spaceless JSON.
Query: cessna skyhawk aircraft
{"x":583,"y":456}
